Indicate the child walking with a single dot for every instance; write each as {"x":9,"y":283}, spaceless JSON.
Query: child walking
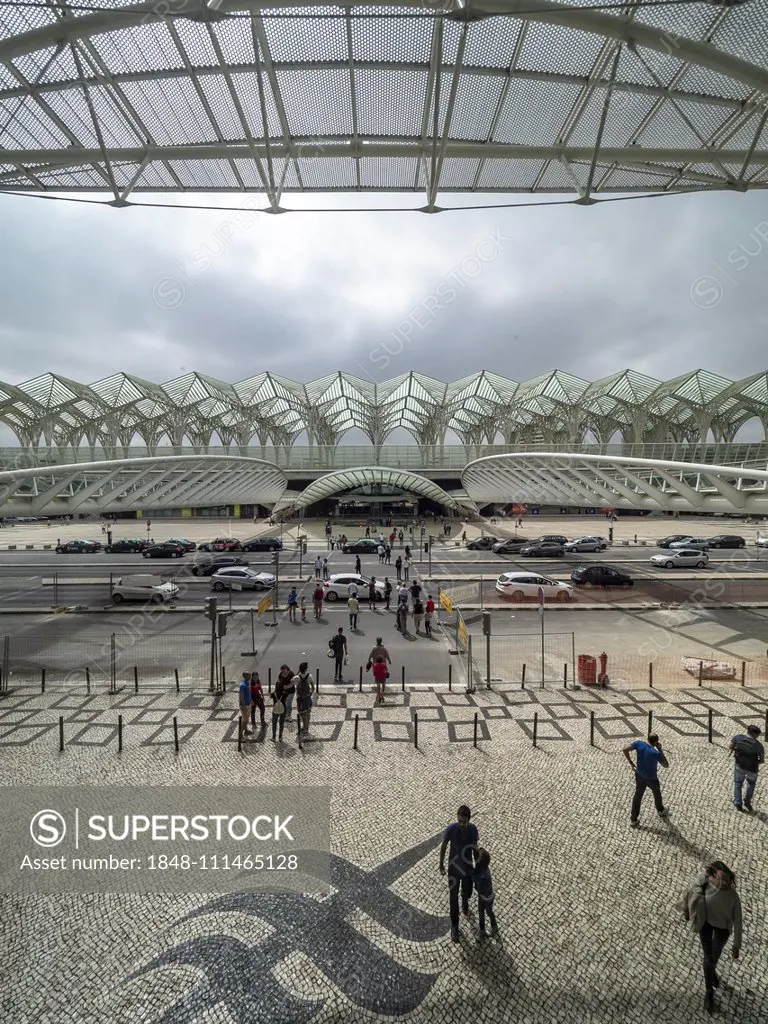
{"x":483,"y":883}
{"x":303,"y":606}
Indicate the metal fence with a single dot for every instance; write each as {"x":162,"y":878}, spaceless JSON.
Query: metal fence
{"x":112,"y":662}
{"x":528,"y":658}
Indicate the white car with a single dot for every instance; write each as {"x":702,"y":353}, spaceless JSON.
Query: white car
{"x":242,"y":577}
{"x":143,"y":587}
{"x":676,"y":558}
{"x":521,"y":585}
{"x":587,"y":544}
{"x":337,"y":587}
{"x":762,"y":542}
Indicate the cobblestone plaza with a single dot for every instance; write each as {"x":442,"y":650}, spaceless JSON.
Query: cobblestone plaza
{"x":585,"y":905}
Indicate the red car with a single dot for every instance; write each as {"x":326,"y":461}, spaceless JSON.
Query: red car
{"x":220,"y":544}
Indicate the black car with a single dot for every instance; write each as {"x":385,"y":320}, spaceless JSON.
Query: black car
{"x":164,"y":550}
{"x":543,"y":549}
{"x":78,"y":547}
{"x":220,"y":544}
{"x":482,"y":543}
{"x":600,"y":576}
{"x":727,"y":540}
{"x":363,"y":546}
{"x":129,"y":544}
{"x":668,"y":541}
{"x":262,"y":544}
{"x":182,"y":542}
{"x":208,"y":566}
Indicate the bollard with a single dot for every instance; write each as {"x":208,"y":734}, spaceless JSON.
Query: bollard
{"x":650,"y":674}
{"x":416,"y":729}
{"x":61,"y":733}
{"x":176,"y":674}
{"x":135,"y":679}
{"x":87,"y":679}
{"x":224,"y":676}
{"x":42,"y":680}
{"x":357,"y":726}
{"x":402,"y":677}
{"x":709,"y":725}
{"x":450,"y":678}
{"x":269,"y":680}
{"x":650,"y":722}
{"x":360,"y":684}
{"x":765,"y":727}
{"x":591,"y":728}
{"x":176,"y":733}
{"x":743,"y":673}
{"x":475,"y":738}
{"x":535,"y":727}
{"x":565,"y":675}
{"x":522,"y":682}
{"x":701,"y":670}
{"x":239,"y":733}
{"x":119,"y":733}
{"x":317,"y":681}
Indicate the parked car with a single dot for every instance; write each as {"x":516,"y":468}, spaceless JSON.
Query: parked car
{"x":543,"y":549}
{"x":242,"y":577}
{"x":337,"y":586}
{"x":690,"y":542}
{"x":519,"y":585}
{"x":220,"y":544}
{"x":261,"y":544}
{"x":188,"y":545}
{"x":131,"y":544}
{"x":727,"y":540}
{"x":668,"y":541}
{"x":587,"y":544}
{"x":211,"y":564}
{"x":366,"y":545}
{"x":552,"y":538}
{"x":762,"y":542}
{"x":482,"y":543}
{"x":163,"y":550}
{"x":600,"y":576}
{"x":511,"y":546}
{"x":679,"y":557}
{"x":143,"y":588}
{"x":78,"y":547}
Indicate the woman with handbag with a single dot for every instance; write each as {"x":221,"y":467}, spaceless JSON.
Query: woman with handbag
{"x":305,"y":687}
{"x":713,"y":908}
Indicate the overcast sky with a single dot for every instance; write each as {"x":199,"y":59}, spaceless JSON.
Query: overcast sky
{"x":662,"y":285}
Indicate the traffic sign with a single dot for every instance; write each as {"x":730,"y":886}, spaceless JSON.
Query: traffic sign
{"x":264,"y":604}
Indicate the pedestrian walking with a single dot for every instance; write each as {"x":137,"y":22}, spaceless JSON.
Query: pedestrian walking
{"x":333,"y":542}
{"x":407,"y":552}
{"x":399,"y":568}
{"x":293,"y":603}
{"x":418,"y":615}
{"x":649,"y":757}
{"x":318,"y":568}
{"x":257,"y":699}
{"x":463,"y":839}
{"x":358,"y":566}
{"x":287,"y":689}
{"x":400,"y":537}
{"x":372,"y":594}
{"x":305,"y":687}
{"x":387,"y":592}
{"x":388,"y":555}
{"x":338,"y":647}
{"x":713,"y":908}
{"x":429,"y":611}
{"x":378,"y":651}
{"x":317,"y":600}
{"x":748,"y":754}
{"x":380,"y":676}
{"x":303,"y":608}
{"x":406,"y":568}
{"x":352,"y":589}
{"x":354,"y":609}
{"x":367,"y":531}
{"x":325,"y":568}
{"x":415,"y":591}
{"x":402,"y":607}
{"x":381,"y":551}
{"x":483,"y":885}
{"x":244,"y":701}
{"x":278,"y":710}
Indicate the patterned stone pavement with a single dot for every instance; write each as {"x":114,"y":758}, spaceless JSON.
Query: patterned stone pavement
{"x":585,"y":905}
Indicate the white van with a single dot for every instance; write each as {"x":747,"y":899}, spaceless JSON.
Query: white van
{"x":143,"y":587}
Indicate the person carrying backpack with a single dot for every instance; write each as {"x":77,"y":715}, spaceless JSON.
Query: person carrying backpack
{"x":748,"y":754}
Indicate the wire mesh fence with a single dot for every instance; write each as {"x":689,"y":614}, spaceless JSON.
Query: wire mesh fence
{"x":528,"y":658}
{"x":122,"y":659}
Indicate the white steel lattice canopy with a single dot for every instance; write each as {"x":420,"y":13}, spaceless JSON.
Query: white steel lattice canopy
{"x":555,"y":407}
{"x":468,"y":96}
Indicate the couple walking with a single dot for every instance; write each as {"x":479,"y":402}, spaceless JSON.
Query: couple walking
{"x":468,"y":869}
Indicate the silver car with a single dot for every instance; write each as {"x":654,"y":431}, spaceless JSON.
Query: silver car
{"x":676,"y":558}
{"x":242,"y":577}
{"x":143,"y":587}
{"x":587,"y":544}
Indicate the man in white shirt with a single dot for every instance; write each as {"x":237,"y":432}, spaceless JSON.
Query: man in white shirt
{"x":352,"y":589}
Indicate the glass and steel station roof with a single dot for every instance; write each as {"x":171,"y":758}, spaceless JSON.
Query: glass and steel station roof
{"x":518,"y":96}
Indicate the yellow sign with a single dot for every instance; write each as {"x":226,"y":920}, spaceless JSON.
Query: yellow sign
{"x":463,"y":636}
{"x":446,"y":602}
{"x":186,"y":513}
{"x":236,"y":510}
{"x":264,"y":604}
